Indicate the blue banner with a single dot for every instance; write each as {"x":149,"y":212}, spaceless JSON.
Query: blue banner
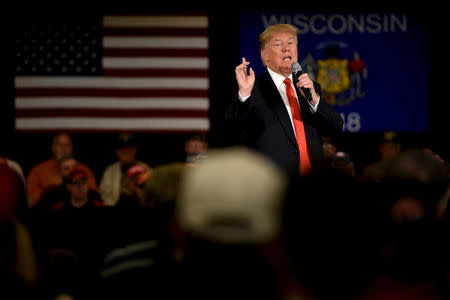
{"x":373,"y":67}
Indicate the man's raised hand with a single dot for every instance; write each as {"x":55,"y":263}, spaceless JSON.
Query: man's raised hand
{"x":245,"y":79}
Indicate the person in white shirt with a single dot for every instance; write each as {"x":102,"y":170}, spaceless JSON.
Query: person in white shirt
{"x":114,"y":184}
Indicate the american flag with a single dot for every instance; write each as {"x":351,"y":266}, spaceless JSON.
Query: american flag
{"x":113,"y":73}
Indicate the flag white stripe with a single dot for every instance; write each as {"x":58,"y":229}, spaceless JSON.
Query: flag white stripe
{"x":111,"y":82}
{"x":112,"y":103}
{"x":156,"y":42}
{"x":156,"y":62}
{"x":113,"y":123}
{"x":156,"y":21}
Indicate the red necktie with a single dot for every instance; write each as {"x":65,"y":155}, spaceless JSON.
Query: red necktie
{"x":305,"y":163}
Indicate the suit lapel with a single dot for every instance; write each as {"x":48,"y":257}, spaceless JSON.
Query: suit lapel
{"x":276,"y":103}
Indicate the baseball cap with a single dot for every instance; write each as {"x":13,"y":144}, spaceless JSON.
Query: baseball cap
{"x":77,"y":174}
{"x":125,"y":140}
{"x":233,"y":196}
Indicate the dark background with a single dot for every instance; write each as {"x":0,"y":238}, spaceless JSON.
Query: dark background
{"x":95,"y":149}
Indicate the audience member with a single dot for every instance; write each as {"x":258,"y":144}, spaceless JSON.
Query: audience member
{"x":329,"y":148}
{"x":163,"y":188}
{"x":60,"y":192}
{"x":229,"y":206}
{"x":342,"y":162}
{"x":415,"y":256}
{"x":19,"y":268}
{"x":47,"y":175}
{"x":329,"y":235}
{"x":13,"y":200}
{"x":388,"y":147}
{"x":152,"y":248}
{"x":417,"y":174}
{"x":19,"y":271}
{"x":13,"y":165}
{"x":79,"y":195}
{"x":71,"y":233}
{"x":115,"y":183}
{"x":195,"y":148}
{"x":161,"y":195}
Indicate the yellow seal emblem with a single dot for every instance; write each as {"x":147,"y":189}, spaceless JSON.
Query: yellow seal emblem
{"x":333,"y":77}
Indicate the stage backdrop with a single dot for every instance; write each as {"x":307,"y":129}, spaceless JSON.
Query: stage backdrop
{"x":146,"y":73}
{"x":373,"y":67}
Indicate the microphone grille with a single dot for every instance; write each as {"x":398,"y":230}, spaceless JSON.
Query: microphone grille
{"x":296,"y":67}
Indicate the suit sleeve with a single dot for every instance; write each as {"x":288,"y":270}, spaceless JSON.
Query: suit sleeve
{"x":233,"y":124}
{"x":237,"y":110}
{"x":326,"y":119}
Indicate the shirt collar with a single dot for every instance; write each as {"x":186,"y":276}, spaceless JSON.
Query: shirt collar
{"x":278,"y":78}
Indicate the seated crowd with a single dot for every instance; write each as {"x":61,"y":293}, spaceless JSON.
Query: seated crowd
{"x":225,"y":224}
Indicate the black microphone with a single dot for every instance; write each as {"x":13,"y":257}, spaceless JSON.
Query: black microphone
{"x":296,"y":72}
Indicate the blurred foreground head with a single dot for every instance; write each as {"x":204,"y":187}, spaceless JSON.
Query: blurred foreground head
{"x":18,"y":265}
{"x":416,"y":184}
{"x":234,"y":196}
{"x":12,"y":193}
{"x":415,"y":187}
{"x":329,"y":226}
{"x":164,"y":184}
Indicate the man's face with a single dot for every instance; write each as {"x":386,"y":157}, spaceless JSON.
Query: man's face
{"x":329,"y":149}
{"x":388,"y":150}
{"x":62,"y":146}
{"x":78,"y":189}
{"x":194,"y":147}
{"x":280,"y":52}
{"x":126,"y":155}
{"x":67,"y":166}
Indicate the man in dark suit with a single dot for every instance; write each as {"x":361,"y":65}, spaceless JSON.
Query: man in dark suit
{"x":264,"y":109}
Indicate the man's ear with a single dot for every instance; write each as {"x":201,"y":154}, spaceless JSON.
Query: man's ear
{"x":264,"y":55}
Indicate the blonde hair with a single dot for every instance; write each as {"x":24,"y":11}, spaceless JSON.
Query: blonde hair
{"x":267,"y":34}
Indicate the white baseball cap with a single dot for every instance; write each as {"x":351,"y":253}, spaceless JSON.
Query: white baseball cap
{"x":234,"y":196}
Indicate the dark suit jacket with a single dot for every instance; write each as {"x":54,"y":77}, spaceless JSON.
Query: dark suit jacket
{"x":263,"y":124}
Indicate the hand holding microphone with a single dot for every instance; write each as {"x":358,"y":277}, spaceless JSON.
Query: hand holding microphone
{"x":296,"y":73}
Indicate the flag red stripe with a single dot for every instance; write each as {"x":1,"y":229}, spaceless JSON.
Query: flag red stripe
{"x":139,"y":52}
{"x":115,"y":72}
{"x":111,"y":113}
{"x":109,"y":92}
{"x":155,"y":31}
